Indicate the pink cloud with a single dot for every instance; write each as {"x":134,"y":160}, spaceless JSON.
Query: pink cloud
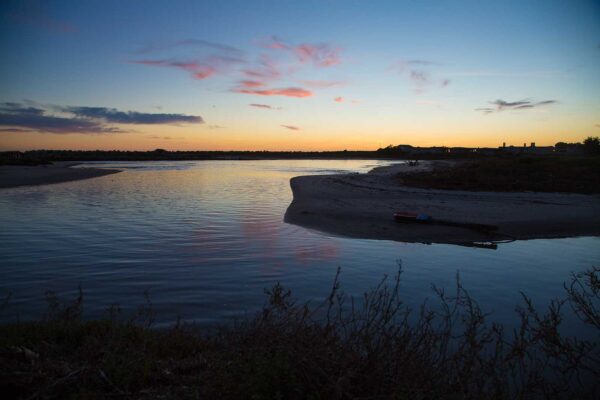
{"x":267,"y":69}
{"x":289,"y":92}
{"x":321,"y":55}
{"x":276,"y":44}
{"x":202,"y":69}
{"x":338,"y":99}
{"x":251,"y":84}
{"x":204,"y":72}
{"x":269,"y":75}
{"x":253,"y":73}
{"x":291,"y":127}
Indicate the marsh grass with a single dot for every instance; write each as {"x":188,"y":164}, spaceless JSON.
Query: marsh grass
{"x":373,"y":347}
{"x":514,"y":174}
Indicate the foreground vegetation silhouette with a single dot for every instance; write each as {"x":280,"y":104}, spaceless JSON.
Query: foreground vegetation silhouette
{"x":372,"y":347}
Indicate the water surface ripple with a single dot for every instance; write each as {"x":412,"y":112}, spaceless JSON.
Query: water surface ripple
{"x":205,"y":238}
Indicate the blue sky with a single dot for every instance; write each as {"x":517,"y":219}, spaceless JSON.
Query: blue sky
{"x":419,"y":72}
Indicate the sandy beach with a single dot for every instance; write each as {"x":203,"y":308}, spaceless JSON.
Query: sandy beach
{"x":362,"y":206}
{"x":18,"y":175}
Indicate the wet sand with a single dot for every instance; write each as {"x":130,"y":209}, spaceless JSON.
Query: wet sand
{"x":17,"y":175}
{"x":362,"y":206}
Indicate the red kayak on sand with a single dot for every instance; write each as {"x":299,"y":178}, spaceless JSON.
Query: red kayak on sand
{"x":411,"y":217}
{"x":402,"y":216}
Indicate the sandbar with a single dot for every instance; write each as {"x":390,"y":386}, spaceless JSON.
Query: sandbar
{"x":19,"y":175}
{"x":363,"y":205}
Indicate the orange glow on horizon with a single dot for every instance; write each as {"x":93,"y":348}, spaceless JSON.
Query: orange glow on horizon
{"x":274,"y":139}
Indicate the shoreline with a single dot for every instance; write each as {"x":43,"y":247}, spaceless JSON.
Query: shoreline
{"x":362,"y":206}
{"x":12,"y":176}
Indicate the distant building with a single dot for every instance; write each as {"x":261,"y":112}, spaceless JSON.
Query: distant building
{"x":531,"y":150}
{"x":568,"y":148}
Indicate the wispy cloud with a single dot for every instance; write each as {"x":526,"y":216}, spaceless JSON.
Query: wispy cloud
{"x":15,"y":130}
{"x":338,"y":99}
{"x":251,"y":84}
{"x":266,"y":69}
{"x":417,"y":71}
{"x":275,"y":43}
{"x":271,"y":73}
{"x":407,"y":65}
{"x":545,"y":102}
{"x":205,"y":59}
{"x":502,"y":105}
{"x":112,"y":115}
{"x":53,"y":124}
{"x":321,"y":84}
{"x":63,"y":120}
{"x":264,"y":106}
{"x":505,"y":74}
{"x":419,"y":77}
{"x":319,"y":54}
{"x":291,"y":127}
{"x":164,"y":137}
{"x":198,"y":69}
{"x":189,"y":43}
{"x":288,"y":92}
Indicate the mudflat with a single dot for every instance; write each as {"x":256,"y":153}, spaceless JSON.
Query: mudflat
{"x":17,"y":175}
{"x":363,"y":205}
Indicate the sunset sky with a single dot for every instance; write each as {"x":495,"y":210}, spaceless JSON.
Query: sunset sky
{"x":297,"y":75}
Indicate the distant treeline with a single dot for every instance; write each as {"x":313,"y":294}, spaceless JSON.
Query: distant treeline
{"x":40,"y":156}
{"x":33,"y":157}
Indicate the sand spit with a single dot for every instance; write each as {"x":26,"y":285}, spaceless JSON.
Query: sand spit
{"x":362,"y":206}
{"x":17,"y":175}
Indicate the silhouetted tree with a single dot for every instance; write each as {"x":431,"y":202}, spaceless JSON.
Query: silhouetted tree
{"x":591,"y":145}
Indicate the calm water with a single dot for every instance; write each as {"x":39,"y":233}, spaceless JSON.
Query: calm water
{"x":204,"y":238}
